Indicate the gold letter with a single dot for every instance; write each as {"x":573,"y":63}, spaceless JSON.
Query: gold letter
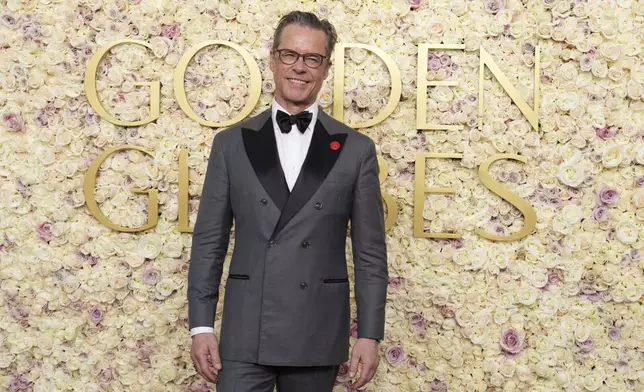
{"x":531,"y":114}
{"x":422,"y":84}
{"x":90,"y":200}
{"x":184,"y":197}
{"x":419,"y":194}
{"x":392,"y":207}
{"x":180,"y":90}
{"x":92,"y":94}
{"x":338,"y":85}
{"x":521,"y":204}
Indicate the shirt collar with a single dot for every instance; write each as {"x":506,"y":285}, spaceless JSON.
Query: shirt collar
{"x":313,"y":109}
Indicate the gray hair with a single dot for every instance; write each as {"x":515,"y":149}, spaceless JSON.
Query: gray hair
{"x":310,"y":20}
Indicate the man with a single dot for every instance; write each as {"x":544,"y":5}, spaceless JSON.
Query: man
{"x":291,"y":177}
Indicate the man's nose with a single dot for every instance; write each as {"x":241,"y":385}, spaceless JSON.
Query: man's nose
{"x":299,"y":65}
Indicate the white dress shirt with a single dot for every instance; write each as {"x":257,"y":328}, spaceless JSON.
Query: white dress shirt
{"x":292,"y":148}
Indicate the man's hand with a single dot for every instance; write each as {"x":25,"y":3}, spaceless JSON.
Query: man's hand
{"x":364,"y":352}
{"x":205,"y":355}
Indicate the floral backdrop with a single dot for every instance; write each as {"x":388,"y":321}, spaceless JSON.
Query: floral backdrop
{"x":87,"y":308}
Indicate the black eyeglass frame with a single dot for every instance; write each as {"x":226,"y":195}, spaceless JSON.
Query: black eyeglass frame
{"x":298,"y":55}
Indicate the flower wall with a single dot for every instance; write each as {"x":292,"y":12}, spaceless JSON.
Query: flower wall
{"x":88,"y":308}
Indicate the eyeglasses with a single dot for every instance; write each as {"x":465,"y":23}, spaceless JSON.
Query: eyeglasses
{"x":290,"y":57}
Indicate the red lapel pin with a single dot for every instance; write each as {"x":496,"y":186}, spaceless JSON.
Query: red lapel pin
{"x":335,"y":145}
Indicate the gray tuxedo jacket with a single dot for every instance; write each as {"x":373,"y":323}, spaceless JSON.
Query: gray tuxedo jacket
{"x":286,"y":299}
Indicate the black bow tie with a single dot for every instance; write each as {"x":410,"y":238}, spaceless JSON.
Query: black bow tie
{"x":285,"y":121}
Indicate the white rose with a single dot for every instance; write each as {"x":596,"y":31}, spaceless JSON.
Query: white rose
{"x":612,"y":156}
{"x":568,"y":101}
{"x":167,"y":373}
{"x":582,"y":332}
{"x":639,"y":154}
{"x":149,"y":246}
{"x":593,"y":381}
{"x":165,"y":287}
{"x":560,"y":225}
{"x":571,"y":174}
{"x":637,"y":73}
{"x":626,"y":232}
{"x":638,"y":198}
{"x":572,"y":214}
{"x":507,"y":368}
{"x":527,"y":295}
{"x":464,"y":318}
{"x":523,"y":372}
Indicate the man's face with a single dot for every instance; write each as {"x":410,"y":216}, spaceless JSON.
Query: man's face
{"x":297,"y":85}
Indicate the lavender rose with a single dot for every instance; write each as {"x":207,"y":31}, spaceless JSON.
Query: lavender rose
{"x":96,"y":314}
{"x":434,"y":63}
{"x":20,"y":383}
{"x":587,"y":345}
{"x":417,"y":321}
{"x":600,"y":213}
{"x":107,"y":375}
{"x":413,"y":4}
{"x":151,"y":276}
{"x":437,"y":386}
{"x":613,"y":333}
{"x":607,"y":195}
{"x":395,"y":355}
{"x":639,"y":181}
{"x":511,"y":341}
{"x":396,"y":282}
{"x":494,"y":6}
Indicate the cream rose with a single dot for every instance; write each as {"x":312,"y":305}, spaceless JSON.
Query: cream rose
{"x":571,"y":174}
{"x":612,"y":156}
{"x":626,"y":232}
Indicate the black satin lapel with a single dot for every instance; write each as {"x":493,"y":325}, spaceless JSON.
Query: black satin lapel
{"x":261,"y":149}
{"x":320,"y":158}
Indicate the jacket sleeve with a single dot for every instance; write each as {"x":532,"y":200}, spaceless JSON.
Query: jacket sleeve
{"x":369,"y":248}
{"x":210,"y":240}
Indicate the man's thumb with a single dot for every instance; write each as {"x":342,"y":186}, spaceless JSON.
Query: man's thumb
{"x":214,"y":356}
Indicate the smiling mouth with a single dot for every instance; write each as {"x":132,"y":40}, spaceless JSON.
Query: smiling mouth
{"x":297,"y":81}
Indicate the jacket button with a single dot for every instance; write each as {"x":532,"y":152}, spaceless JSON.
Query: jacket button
{"x":263,"y":202}
{"x":305,"y":244}
{"x":303,"y":285}
{"x":272,"y":244}
{"x":318,"y":206}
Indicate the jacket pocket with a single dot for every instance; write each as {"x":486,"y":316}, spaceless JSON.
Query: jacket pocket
{"x":339,"y":280}
{"x":237,"y":276}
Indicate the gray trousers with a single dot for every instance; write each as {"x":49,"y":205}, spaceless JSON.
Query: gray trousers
{"x":250,"y":377}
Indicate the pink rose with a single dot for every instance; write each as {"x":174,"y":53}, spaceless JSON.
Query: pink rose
{"x":343,"y":374}
{"x":606,"y":132}
{"x":511,"y":341}
{"x":44,"y":231}
{"x":606,"y":195}
{"x":395,"y":355}
{"x":413,"y":4}
{"x":13,"y":122}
